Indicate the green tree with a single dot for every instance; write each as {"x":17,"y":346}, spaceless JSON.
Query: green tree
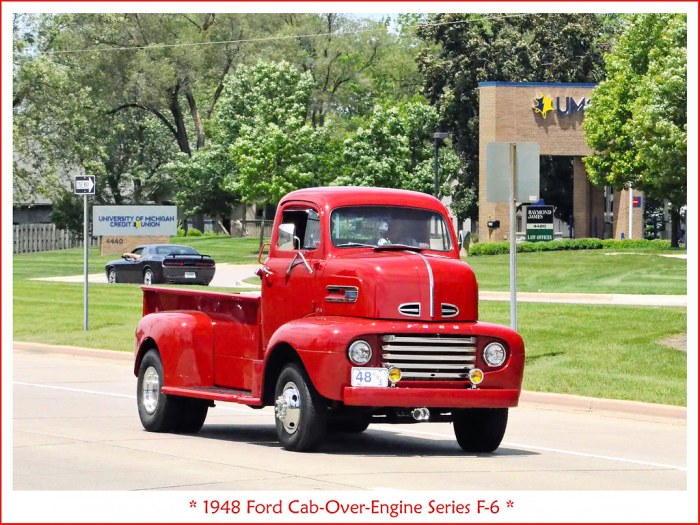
{"x":464,"y":49}
{"x":261,"y":122}
{"x":393,"y":148}
{"x":637,"y":121}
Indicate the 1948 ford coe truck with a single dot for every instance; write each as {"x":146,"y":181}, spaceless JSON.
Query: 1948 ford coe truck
{"x":366,"y":314}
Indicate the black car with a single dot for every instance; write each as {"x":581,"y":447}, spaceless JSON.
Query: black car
{"x":162,"y":263}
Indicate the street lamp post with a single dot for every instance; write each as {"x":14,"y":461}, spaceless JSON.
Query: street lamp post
{"x":439,"y":137}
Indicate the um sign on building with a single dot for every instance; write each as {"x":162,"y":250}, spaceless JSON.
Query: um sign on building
{"x":550,"y":114}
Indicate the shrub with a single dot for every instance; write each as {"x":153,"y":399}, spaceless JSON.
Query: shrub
{"x":194,"y":232}
{"x":497,"y":248}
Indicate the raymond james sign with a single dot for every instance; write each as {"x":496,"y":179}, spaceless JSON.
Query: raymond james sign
{"x":539,"y":223}
{"x":134,"y":220}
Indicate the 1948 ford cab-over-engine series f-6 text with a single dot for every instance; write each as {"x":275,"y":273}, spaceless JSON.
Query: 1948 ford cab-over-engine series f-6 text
{"x":366,"y":315}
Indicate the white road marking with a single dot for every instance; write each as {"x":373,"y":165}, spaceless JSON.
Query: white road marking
{"x":405,"y":431}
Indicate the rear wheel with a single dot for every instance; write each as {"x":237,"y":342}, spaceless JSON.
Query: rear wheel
{"x":158,"y":412}
{"x":480,"y":429}
{"x":112,"y":276}
{"x":148,"y":276}
{"x":300,"y":411}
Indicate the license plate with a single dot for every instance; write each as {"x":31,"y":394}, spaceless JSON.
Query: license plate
{"x":373,"y":377}
{"x":190,"y":275}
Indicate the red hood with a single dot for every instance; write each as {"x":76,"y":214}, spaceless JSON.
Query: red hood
{"x":397,"y":285}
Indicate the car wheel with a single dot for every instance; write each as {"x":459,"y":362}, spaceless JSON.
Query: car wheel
{"x":300,"y":411}
{"x":480,"y":429}
{"x":112,"y":276}
{"x":193,"y":412}
{"x":148,"y":276}
{"x":158,"y":412}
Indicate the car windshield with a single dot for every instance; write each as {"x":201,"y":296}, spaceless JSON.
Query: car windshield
{"x":386,"y":226}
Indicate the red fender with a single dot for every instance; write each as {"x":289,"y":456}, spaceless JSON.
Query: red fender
{"x":185,"y":343}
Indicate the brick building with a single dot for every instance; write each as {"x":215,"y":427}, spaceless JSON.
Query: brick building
{"x":550,"y":114}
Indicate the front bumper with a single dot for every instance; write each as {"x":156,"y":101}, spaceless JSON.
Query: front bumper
{"x":431,"y":397}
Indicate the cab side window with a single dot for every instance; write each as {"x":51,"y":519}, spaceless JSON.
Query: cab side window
{"x":307,"y":228}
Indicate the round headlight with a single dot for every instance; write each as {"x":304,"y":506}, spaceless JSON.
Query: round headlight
{"x":494,"y":354}
{"x":360,"y":352}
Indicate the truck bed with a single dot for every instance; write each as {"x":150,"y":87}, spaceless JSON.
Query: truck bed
{"x":161,"y":299}
{"x":235,"y":332}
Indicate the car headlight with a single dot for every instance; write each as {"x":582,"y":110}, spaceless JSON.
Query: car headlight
{"x":360,"y":352}
{"x":494,"y":354}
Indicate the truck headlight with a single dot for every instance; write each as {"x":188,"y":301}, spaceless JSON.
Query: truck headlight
{"x":494,"y":354}
{"x":360,"y":352}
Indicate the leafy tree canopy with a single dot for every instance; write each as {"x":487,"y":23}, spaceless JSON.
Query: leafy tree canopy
{"x":637,"y":121}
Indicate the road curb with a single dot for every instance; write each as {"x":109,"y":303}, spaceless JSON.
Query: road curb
{"x":564,"y":401}
{"x":593,"y":404}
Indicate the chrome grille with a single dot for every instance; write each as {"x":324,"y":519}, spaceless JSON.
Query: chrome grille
{"x":410,"y":309}
{"x":429,"y":356}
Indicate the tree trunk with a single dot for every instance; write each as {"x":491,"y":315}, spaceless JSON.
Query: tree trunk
{"x":262,"y":228}
{"x":180,"y":129}
{"x":675,"y":226}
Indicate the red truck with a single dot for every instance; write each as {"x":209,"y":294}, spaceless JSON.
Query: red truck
{"x":366,"y":315}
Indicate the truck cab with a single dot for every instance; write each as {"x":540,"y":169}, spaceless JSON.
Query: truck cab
{"x":366,"y":314}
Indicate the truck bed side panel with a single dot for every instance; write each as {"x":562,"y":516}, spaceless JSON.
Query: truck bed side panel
{"x":234,"y":328}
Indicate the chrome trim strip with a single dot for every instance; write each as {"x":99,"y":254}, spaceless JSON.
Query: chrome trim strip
{"x":432,"y":282}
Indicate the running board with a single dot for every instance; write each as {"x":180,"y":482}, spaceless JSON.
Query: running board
{"x":214,"y":393}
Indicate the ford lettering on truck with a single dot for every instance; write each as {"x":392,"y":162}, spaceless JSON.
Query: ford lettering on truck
{"x":366,"y":314}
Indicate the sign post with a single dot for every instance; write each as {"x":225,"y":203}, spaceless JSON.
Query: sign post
{"x":85,"y":185}
{"x":519,"y":164}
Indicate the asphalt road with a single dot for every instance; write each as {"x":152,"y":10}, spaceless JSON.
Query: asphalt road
{"x":75,"y":427}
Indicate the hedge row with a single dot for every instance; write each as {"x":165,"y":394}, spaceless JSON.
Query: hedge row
{"x":496,"y":248}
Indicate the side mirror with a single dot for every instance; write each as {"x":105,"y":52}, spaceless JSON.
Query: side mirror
{"x":285,"y":236}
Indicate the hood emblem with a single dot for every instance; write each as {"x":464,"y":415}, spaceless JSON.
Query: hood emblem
{"x":410,"y":309}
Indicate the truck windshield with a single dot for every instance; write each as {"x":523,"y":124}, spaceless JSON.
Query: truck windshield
{"x":378,"y":226}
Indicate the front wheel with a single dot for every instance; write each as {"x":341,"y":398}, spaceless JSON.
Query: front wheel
{"x":148,"y":276}
{"x":112,"y":276}
{"x":300,"y":411}
{"x":480,"y":429}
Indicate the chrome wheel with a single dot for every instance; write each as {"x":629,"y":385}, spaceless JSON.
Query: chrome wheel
{"x":288,"y":408}
{"x":148,"y":277}
{"x":112,"y":276}
{"x":150,"y":390}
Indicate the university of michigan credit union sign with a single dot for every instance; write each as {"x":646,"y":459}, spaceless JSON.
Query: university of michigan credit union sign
{"x":134,"y":220}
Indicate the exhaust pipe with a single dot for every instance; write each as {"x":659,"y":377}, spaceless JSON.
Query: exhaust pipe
{"x":420,"y":414}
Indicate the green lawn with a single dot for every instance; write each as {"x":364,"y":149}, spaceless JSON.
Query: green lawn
{"x":599,"y":351}
{"x":586,"y":271}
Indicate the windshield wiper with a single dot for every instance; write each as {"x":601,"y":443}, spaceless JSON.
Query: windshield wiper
{"x":397,"y":247}
{"x":354,"y":245}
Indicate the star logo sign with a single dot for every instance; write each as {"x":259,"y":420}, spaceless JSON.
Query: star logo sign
{"x":543,"y":104}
